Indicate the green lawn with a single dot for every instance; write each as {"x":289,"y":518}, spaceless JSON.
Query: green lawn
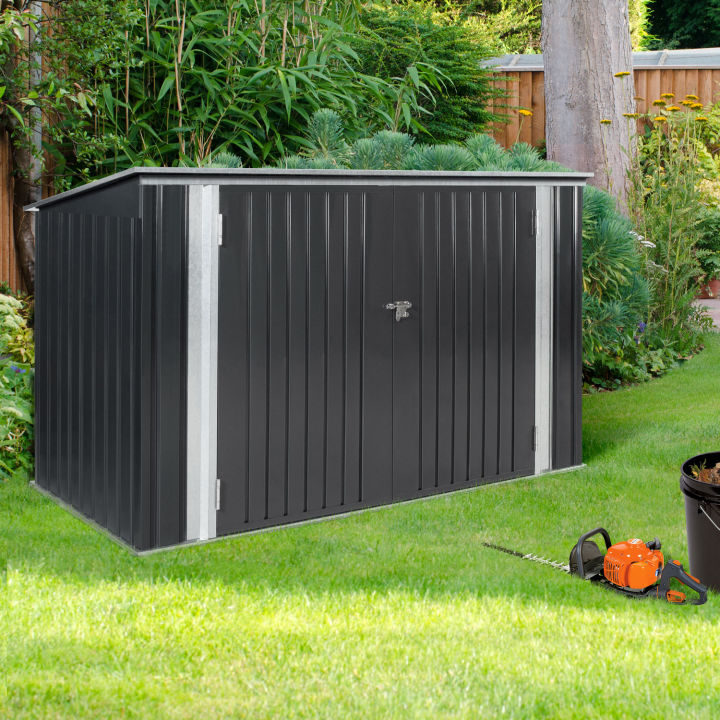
{"x":399,"y":613}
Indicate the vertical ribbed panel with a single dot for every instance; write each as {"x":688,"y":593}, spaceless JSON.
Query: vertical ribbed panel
{"x":87,"y":394}
{"x":111,"y":365}
{"x":326,"y":402}
{"x":567,"y":340}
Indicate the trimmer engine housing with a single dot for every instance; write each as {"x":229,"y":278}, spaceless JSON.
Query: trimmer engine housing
{"x":632,"y":564}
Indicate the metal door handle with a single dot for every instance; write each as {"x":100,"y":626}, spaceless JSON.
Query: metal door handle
{"x":401,"y":308}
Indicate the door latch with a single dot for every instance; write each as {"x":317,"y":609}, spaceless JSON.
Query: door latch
{"x":401,"y":308}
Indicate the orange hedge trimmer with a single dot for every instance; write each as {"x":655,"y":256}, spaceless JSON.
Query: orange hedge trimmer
{"x":632,"y":568}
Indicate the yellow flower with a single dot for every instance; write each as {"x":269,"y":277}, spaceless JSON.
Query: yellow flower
{"x":659,"y":119}
{"x":667,"y":95}
{"x":686,"y":103}
{"x":692,"y":97}
{"x":631,"y":115}
{"x":526,"y":113}
{"x":606,"y":122}
{"x":659,"y":103}
{"x":696,"y":106}
{"x":701,"y":118}
{"x":624,"y":73}
{"x":674,"y":108}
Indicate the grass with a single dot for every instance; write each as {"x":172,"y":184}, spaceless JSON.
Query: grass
{"x":399,"y":613}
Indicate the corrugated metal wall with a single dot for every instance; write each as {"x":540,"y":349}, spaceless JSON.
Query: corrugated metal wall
{"x":567,"y":340}
{"x":325,"y":402}
{"x":526,"y":89}
{"x":110,"y":360}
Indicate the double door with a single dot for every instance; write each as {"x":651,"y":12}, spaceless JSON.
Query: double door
{"x":375,"y":344}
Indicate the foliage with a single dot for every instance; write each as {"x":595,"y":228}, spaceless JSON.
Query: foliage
{"x":17,"y":357}
{"x":169,"y":83}
{"x":639,"y":12}
{"x":513,"y":26}
{"x":326,"y":147}
{"x":398,"y":36}
{"x":615,"y":296}
{"x":685,"y":23}
{"x":707,"y":249}
{"x":439,"y":158}
{"x":666,"y":204}
{"x":55,"y":74}
{"x":509,"y":26}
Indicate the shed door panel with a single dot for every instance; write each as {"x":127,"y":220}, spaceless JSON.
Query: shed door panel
{"x":326,"y":402}
{"x":464,"y":361}
{"x":305,"y":353}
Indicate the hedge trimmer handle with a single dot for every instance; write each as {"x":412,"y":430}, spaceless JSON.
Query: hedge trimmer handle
{"x":583,"y":538}
{"x":674,"y":569}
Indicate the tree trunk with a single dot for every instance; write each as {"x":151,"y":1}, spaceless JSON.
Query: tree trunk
{"x":25,"y":192}
{"x":584,"y":43}
{"x":26,"y":184}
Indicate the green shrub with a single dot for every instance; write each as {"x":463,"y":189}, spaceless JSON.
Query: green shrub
{"x":366,"y":154}
{"x":224,"y":160}
{"x":17,"y":357}
{"x":398,"y":35}
{"x":486,"y":150}
{"x":439,"y":157}
{"x":616,"y":297}
{"x":394,"y":148}
{"x":525,"y":158}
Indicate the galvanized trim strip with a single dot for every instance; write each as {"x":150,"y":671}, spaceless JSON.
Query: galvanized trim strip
{"x":444,"y":180}
{"x":202,"y":361}
{"x":543,"y":328}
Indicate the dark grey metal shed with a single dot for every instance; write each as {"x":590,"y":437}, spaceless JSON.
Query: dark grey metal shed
{"x":226,"y":350}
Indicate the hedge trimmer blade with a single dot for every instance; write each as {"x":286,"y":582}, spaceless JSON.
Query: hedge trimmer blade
{"x":563,"y":567}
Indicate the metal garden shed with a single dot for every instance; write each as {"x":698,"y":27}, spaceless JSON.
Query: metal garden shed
{"x":226,"y":350}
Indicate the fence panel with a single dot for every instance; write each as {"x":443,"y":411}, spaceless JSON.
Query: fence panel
{"x":526,"y":88}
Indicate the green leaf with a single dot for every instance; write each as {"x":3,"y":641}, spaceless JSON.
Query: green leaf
{"x":413,"y":72}
{"x":167,"y":84}
{"x":109,"y":100}
{"x":286,"y":92}
{"x":16,"y":114}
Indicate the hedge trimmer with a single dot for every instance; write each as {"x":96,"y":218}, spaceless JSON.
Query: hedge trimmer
{"x":633,"y":568}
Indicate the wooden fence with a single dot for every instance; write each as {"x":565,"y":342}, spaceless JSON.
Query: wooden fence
{"x":9,"y":270}
{"x":526,"y":89}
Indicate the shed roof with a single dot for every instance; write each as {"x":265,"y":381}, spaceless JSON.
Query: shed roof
{"x":281,"y":176}
{"x":669,"y":59}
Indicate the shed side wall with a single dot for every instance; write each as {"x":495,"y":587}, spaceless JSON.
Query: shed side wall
{"x":89,"y":404}
{"x":110,"y":367}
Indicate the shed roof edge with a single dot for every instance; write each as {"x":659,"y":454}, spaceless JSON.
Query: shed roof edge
{"x":170,"y":175}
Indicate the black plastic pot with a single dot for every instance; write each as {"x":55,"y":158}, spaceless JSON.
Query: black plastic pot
{"x":702,"y":515}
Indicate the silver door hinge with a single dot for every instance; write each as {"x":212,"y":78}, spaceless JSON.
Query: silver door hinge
{"x":217,"y":494}
{"x":535,"y":437}
{"x":219,"y":229}
{"x":533,"y":223}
